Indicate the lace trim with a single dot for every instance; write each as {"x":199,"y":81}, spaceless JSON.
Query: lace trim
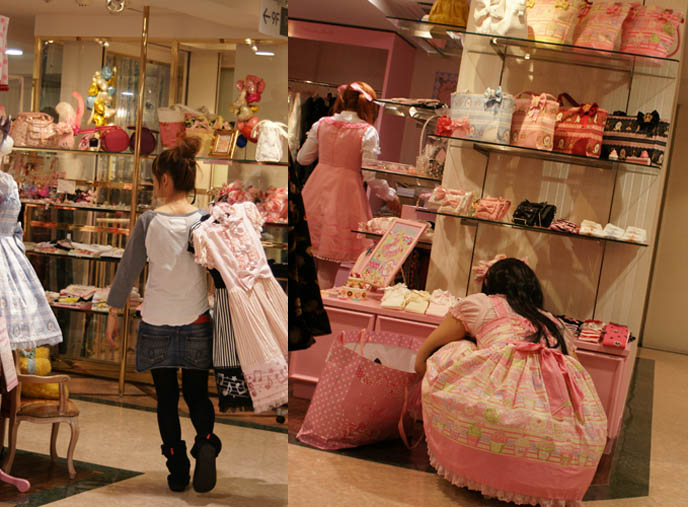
{"x":490,"y":492}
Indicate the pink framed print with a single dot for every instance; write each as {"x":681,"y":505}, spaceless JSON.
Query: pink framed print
{"x":391,"y":252}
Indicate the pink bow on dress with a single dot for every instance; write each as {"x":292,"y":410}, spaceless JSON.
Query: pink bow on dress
{"x":562,"y":392}
{"x":483,"y":266}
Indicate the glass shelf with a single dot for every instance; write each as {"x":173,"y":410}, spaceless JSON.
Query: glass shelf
{"x":426,"y":245}
{"x":76,"y":207}
{"x":489,"y":148}
{"x":543,"y":230}
{"x":80,"y":228}
{"x":418,"y":113}
{"x":70,"y":256}
{"x":528,"y":49}
{"x":400,"y":173}
{"x":203,"y":158}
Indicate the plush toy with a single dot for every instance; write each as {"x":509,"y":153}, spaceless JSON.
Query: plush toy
{"x":37,"y":362}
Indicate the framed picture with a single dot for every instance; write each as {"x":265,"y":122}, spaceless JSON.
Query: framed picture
{"x":391,"y":251}
{"x":224,"y":143}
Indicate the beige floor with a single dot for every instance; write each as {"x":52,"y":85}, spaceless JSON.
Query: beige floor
{"x":329,"y":480}
{"x":251,"y":467}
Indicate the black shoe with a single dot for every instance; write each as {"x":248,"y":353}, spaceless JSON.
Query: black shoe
{"x":205,"y":450}
{"x":178,"y":464}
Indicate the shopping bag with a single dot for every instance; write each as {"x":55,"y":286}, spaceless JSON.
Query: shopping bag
{"x":600,"y":24}
{"x":489,"y":114}
{"x":651,"y":30}
{"x":552,"y":20}
{"x":367,"y":384}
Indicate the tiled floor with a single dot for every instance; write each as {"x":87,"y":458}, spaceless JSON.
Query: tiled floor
{"x":355,"y":478}
{"x":119,"y":461}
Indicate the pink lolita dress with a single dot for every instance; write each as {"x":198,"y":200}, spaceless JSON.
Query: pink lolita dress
{"x":230,"y":243}
{"x":333,"y":196}
{"x":510,"y":418}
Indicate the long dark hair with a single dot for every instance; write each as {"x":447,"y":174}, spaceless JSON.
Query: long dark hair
{"x":515,"y":280}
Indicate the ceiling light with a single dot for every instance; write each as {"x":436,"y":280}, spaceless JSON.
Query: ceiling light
{"x":14,"y":52}
{"x":265,"y":53}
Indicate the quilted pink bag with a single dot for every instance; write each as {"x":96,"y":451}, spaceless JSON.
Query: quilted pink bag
{"x":39,"y":130}
{"x":600,"y":24}
{"x":551,"y":20}
{"x":532,"y":125}
{"x":364,"y":388}
{"x":651,"y":30}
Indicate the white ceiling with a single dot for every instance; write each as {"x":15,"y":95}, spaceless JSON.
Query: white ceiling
{"x":346,"y":12}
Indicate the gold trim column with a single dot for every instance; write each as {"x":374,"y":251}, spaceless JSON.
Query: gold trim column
{"x":36,"y":78}
{"x":174,"y":75}
{"x":135,"y":180}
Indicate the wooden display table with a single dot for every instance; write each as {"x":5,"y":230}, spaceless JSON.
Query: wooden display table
{"x":611,"y":369}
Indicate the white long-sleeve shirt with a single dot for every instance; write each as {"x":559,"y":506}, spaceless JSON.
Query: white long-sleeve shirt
{"x":370,"y":148}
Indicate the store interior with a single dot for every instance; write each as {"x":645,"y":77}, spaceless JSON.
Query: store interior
{"x":77,"y":209}
{"x":623,"y":279}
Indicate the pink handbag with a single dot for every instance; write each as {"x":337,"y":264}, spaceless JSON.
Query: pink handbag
{"x":364,"y":388}
{"x":551,"y":20}
{"x":532,"y":125}
{"x":652,"y":31}
{"x":579,"y":129}
{"x":40,"y":131}
{"x":600,"y":24}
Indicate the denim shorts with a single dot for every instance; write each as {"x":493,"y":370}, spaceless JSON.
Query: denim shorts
{"x":189,"y":346}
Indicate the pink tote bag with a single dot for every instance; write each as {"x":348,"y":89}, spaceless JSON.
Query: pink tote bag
{"x":651,"y":30}
{"x":533,"y":121}
{"x":367,"y":384}
{"x":551,"y":20}
{"x":600,"y":24}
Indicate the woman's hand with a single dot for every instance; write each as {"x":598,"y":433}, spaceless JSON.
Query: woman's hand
{"x":112,"y":330}
{"x":421,"y":363}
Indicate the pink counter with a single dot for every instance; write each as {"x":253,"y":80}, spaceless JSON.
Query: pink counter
{"x":611,"y":369}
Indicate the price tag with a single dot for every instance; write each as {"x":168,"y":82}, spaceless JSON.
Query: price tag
{"x":66,"y":187}
{"x":273,"y":18}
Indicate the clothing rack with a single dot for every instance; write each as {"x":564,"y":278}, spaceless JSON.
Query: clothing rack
{"x":319,"y":83}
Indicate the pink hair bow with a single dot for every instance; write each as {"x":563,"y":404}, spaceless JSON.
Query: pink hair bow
{"x":355,"y":86}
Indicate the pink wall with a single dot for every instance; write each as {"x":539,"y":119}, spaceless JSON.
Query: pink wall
{"x":396,"y":73}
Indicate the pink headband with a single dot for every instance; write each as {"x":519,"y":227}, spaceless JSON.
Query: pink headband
{"x":342,"y":88}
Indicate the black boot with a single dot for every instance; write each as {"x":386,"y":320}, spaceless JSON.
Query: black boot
{"x":205,"y":450}
{"x":178,"y":464}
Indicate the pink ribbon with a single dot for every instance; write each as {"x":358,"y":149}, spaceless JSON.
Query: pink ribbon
{"x":562,"y":392}
{"x":483,"y":266}
{"x":355,"y":86}
{"x":538,"y":101}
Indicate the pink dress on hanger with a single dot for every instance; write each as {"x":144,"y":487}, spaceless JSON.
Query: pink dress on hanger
{"x":230,"y":242}
{"x":510,"y":418}
{"x":333,"y":196}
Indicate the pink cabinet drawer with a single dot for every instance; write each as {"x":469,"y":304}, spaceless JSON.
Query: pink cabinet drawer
{"x":405,"y":327}
{"x":305,"y":366}
{"x":607,"y":374}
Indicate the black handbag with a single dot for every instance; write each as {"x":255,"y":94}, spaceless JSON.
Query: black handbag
{"x":534,"y":214}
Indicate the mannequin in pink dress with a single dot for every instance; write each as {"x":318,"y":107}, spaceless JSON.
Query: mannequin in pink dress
{"x":334,"y":198}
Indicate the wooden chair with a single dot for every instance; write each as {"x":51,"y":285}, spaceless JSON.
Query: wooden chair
{"x":14,"y":410}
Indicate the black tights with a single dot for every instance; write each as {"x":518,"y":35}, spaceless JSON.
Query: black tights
{"x":195,"y":391}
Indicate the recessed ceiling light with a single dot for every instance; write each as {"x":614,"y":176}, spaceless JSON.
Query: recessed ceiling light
{"x":14,"y":52}
{"x":265,"y":53}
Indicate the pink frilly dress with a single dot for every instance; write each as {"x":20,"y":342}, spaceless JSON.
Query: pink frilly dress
{"x":333,"y":196}
{"x":230,"y":243}
{"x":512,"y":419}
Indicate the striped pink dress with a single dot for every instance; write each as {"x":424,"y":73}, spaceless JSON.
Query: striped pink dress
{"x":510,"y":418}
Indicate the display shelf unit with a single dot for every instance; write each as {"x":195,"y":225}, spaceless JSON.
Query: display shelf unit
{"x":401,"y":174}
{"x":543,"y":230}
{"x":530,"y":49}
{"x":122,"y":177}
{"x":417,"y":112}
{"x":488,"y":149}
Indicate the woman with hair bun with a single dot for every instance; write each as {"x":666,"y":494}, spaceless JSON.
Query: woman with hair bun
{"x":175,"y":330}
{"x":333,"y":197}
